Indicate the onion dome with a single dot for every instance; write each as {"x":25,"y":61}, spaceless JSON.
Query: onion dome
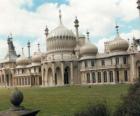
{"x":22,"y":60}
{"x":118,"y":44}
{"x":60,"y":39}
{"x":88,"y":48}
{"x":36,"y":58}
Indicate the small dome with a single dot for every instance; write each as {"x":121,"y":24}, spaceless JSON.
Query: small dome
{"x":88,"y":49}
{"x":118,"y":44}
{"x":36,"y":57}
{"x":22,"y":60}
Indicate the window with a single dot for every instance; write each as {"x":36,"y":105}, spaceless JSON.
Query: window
{"x":124,"y":60}
{"x":105,"y":76}
{"x":93,"y":78}
{"x":103,"y":62}
{"x":85,"y":63}
{"x":92,"y":63}
{"x":88,"y":78}
{"x":117,"y":60}
{"x":125,"y":76}
{"x":111,"y":76}
{"x":111,"y":61}
{"x":22,"y":71}
{"x":99,"y":77}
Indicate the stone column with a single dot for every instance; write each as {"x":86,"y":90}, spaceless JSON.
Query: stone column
{"x":108,"y":80}
{"x":62,"y":71}
{"x":96,"y":79}
{"x":102,"y":77}
{"x":71,"y":72}
{"x":53,"y":74}
{"x":91,"y":81}
{"x":114,"y":77}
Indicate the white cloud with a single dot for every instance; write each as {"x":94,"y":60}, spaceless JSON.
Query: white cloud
{"x":129,"y":35}
{"x":97,"y":16}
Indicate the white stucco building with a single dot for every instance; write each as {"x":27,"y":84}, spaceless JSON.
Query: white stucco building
{"x":71,"y":59}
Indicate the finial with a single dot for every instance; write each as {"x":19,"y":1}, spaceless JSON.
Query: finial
{"x":22,"y":51}
{"x":38,"y":47}
{"x":117,"y":29}
{"x":28,"y":44}
{"x":76,"y":22}
{"x":16,"y":97}
{"x":46,"y":31}
{"x":87,"y":34}
{"x":60,"y":16}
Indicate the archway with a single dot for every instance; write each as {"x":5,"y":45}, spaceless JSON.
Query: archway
{"x":49,"y":77}
{"x":111,"y":76}
{"x":58,"y":76}
{"x":117,"y":77}
{"x":105,"y":76}
{"x":66,"y":75}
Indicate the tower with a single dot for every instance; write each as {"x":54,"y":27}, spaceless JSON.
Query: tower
{"x":29,"y":46}
{"x":76,"y":25}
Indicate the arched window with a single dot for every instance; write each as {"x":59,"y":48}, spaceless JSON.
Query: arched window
{"x":99,"y":77}
{"x":125,"y":76}
{"x":88,"y":78}
{"x":105,"y":76}
{"x":111,"y":76}
{"x":93,"y":77}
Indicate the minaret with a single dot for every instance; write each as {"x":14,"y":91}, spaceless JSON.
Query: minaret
{"x":38,"y":47}
{"x":29,"y":46}
{"x":60,"y":17}
{"x":76,"y":25}
{"x":87,"y":35}
{"x":138,"y":7}
{"x":46,"y":34}
{"x":117,"y":30}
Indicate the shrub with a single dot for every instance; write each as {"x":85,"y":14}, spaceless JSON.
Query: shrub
{"x":95,"y":110}
{"x":130,"y":105}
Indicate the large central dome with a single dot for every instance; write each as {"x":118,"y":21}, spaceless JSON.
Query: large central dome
{"x":61,"y":39}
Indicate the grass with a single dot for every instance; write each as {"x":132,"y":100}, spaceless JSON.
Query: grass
{"x":65,"y":101}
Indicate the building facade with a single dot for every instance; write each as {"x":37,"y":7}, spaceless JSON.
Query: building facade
{"x":71,"y":59}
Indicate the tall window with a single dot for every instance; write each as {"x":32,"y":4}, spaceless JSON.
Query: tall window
{"x":92,"y":63}
{"x":111,"y":61}
{"x":124,"y":60}
{"x":85,"y":63}
{"x":103,"y":62}
{"x":117,"y":60}
{"x":117,"y":74}
{"x":111,"y":76}
{"x":93,"y":77}
{"x":125,"y":76}
{"x":105,"y":76}
{"x":99,"y":77}
{"x":88,"y":78}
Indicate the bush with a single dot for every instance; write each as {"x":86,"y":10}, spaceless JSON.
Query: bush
{"x":130,"y":105}
{"x":95,"y":110}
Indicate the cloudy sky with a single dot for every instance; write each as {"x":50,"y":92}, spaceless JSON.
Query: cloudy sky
{"x":27,"y":19}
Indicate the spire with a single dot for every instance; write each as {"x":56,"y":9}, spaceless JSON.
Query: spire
{"x":38,"y":47}
{"x":22,"y":51}
{"x":46,"y":31}
{"x":76,"y":22}
{"x":29,"y":46}
{"x":117,"y":29}
{"x":87,"y":35}
{"x":60,"y":17}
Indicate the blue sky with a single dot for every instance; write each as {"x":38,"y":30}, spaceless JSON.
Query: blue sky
{"x":26,"y":20}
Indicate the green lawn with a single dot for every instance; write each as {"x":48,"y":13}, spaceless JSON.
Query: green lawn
{"x":65,"y":101}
